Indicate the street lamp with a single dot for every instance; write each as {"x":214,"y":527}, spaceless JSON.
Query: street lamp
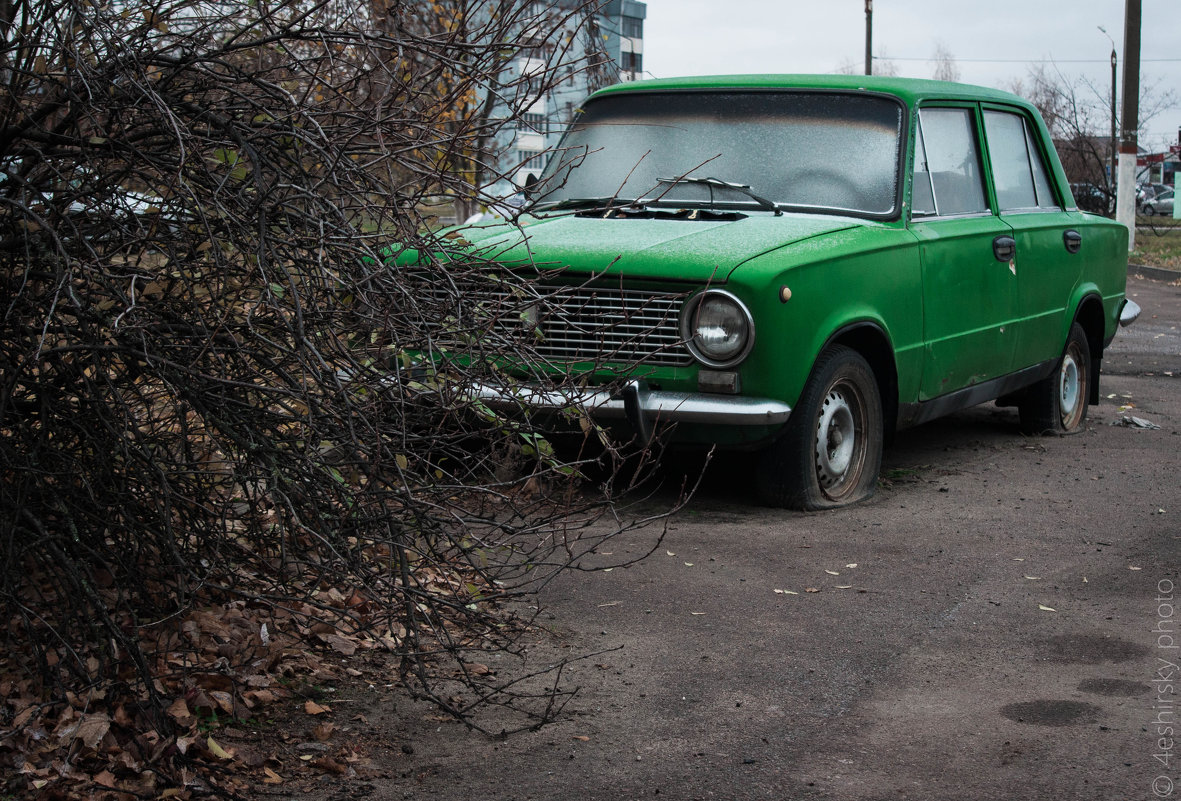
{"x":1114,"y":137}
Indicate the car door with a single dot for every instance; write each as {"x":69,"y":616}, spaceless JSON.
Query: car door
{"x":1049,"y":241}
{"x":969,"y":287}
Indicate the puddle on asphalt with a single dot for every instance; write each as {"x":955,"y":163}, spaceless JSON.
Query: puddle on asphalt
{"x":1089,"y":649}
{"x":1051,"y":713}
{"x":1114,"y":688}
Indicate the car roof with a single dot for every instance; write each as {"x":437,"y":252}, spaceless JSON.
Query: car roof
{"x":909,"y":90}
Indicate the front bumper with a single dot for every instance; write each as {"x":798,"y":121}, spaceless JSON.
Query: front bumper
{"x":1129,"y":312}
{"x":642,"y":407}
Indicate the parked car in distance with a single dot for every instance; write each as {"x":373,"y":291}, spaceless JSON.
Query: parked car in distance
{"x":816,"y":262}
{"x":1160,"y":204}
{"x":1147,"y":191}
{"x":1092,"y":198}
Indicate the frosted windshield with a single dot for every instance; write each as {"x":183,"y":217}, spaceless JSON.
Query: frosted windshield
{"x":811,"y":151}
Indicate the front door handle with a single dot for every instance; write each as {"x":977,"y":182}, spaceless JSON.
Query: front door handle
{"x":1004,"y":248}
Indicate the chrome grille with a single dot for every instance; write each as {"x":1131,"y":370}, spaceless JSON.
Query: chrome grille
{"x":566,"y":324}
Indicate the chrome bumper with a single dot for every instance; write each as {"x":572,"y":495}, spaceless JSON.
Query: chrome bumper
{"x":639,"y":405}
{"x":1129,"y":311}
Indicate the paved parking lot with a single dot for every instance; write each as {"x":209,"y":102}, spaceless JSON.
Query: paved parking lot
{"x":988,"y":626}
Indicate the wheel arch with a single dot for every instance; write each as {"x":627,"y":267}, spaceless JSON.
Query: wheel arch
{"x":1089,"y":316}
{"x":874,"y":345}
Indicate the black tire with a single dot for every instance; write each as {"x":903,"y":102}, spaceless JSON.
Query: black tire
{"x":1058,"y":403}
{"x":831,"y":451}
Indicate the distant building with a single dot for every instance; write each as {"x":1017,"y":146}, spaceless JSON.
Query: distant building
{"x":605,"y":49}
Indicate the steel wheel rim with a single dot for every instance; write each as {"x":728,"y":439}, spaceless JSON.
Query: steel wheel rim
{"x":1070,"y":388}
{"x":840,"y":440}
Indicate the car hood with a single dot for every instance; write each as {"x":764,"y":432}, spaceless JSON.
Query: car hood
{"x":646,"y":247}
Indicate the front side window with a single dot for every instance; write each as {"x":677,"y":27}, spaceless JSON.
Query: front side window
{"x":807,"y":151}
{"x":1017,"y":168}
{"x":947,"y":175}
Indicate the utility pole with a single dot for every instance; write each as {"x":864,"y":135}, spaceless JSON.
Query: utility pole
{"x":1125,"y":199}
{"x":869,"y":37}
{"x":1111,"y":169}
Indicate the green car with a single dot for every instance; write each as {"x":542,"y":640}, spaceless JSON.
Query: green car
{"x":798,"y":266}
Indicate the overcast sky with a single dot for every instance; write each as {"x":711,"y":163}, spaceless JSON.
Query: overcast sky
{"x":993,"y":41}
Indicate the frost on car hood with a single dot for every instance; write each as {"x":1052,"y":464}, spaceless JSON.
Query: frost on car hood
{"x":667,"y":249}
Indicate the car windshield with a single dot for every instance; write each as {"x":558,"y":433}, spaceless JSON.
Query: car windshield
{"x":811,"y":151}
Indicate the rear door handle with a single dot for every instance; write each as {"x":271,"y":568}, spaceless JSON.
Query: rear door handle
{"x":1004,"y":248}
{"x":1073,"y":241}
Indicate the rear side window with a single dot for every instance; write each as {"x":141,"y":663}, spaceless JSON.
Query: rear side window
{"x":947,"y":177}
{"x":1017,"y":167}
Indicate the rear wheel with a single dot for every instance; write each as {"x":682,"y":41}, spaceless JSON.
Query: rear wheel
{"x":1058,"y":403}
{"x":831,"y":452}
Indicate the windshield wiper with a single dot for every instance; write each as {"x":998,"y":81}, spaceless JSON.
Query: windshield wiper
{"x":584,"y":203}
{"x":741,"y":188}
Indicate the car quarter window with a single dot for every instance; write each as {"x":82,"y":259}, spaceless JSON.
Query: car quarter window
{"x":947,"y":177}
{"x":1017,"y":168}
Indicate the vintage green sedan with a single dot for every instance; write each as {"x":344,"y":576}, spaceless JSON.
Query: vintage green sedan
{"x":801,"y":265}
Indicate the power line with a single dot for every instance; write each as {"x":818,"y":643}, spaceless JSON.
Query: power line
{"x":1028,"y":60}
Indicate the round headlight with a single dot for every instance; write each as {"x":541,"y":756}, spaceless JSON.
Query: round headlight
{"x":718,"y":328}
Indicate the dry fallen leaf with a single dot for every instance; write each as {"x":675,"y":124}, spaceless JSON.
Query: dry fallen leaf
{"x":324,"y":732}
{"x":697,"y":613}
{"x":92,"y":728}
{"x":1132,"y":567}
{"x":844,"y":586}
{"x":1033,"y":578}
{"x":854,"y":564}
{"x":688,"y":564}
{"x":1045,"y":608}
{"x":670,"y":553}
{"x":271,"y":777}
{"x":179,"y":711}
{"x":312,"y":708}
{"x":340,"y":644}
{"x":811,"y":589}
{"x":581,"y":738}
{"x":832,"y":572}
{"x":330,"y":765}
{"x":216,"y":749}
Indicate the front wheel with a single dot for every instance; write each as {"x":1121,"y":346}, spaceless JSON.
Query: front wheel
{"x":831,"y":451}
{"x":1058,"y":403}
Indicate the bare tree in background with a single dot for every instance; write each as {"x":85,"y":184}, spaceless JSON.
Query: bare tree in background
{"x":480,"y":89}
{"x":1078,"y":115}
{"x":882,"y":65}
{"x":232,"y":353}
{"x":943,"y":66}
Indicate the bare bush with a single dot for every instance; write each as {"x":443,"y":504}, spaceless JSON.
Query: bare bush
{"x":233,"y":356}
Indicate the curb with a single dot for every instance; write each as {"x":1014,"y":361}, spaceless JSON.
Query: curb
{"x":1154,"y":273}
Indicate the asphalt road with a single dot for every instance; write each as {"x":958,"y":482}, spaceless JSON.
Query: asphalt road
{"x":989,"y":626}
